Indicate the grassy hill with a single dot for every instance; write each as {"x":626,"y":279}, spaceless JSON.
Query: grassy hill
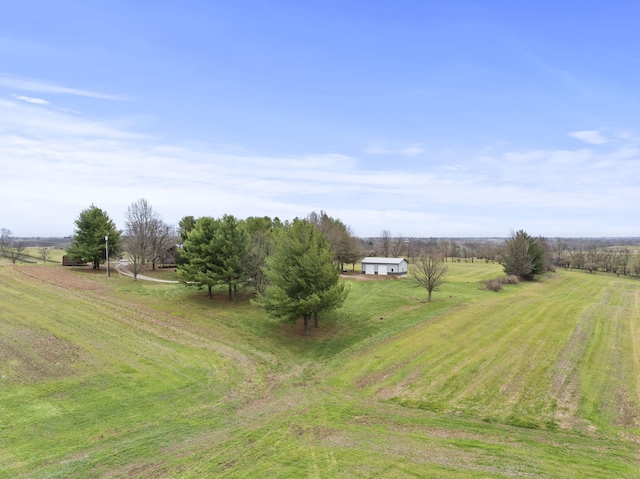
{"x":106,"y":377}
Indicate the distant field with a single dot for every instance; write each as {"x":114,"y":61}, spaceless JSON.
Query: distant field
{"x":33,"y":255}
{"x":107,"y":377}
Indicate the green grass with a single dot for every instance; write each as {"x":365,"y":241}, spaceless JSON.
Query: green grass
{"x":54,"y":255}
{"x":107,"y":377}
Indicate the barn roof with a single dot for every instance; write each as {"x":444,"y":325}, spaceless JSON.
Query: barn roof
{"x":373,"y":259}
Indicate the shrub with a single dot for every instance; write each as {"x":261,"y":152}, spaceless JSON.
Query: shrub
{"x":591,"y":267}
{"x":492,"y":284}
{"x":495,"y":284}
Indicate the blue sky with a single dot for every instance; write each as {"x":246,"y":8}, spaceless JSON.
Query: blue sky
{"x":424,"y":118}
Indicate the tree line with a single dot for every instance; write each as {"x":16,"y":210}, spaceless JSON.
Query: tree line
{"x":9,"y":247}
{"x":449,"y":249}
{"x":15,"y":249}
{"x":609,"y":256}
{"x":292,"y":267}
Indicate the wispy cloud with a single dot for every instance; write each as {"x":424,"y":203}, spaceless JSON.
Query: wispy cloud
{"x":55,"y":164}
{"x":30,"y":85}
{"x":24,"y":119}
{"x":407,"y":151}
{"x":592,"y":137}
{"x":29,"y":99}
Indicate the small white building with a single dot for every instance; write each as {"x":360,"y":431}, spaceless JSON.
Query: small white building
{"x":384,"y":266}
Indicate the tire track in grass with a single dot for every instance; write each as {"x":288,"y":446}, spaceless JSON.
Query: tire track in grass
{"x":494,"y":358}
{"x":627,"y":407}
{"x":508,"y":365}
{"x":253,"y":382}
{"x":565,"y":381}
{"x":135,"y":320}
{"x":154,"y":322}
{"x":607,"y":372}
{"x":635,"y":339}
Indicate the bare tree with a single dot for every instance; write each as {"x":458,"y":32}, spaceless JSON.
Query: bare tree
{"x":452,"y":249}
{"x":163,"y":237}
{"x":547,"y":252}
{"x":590,"y":267}
{"x":385,"y":238}
{"x":396,"y":246}
{"x":413,"y":245}
{"x":625,"y":256}
{"x":471,"y":250}
{"x":560,"y":252}
{"x":9,"y":247}
{"x":14,"y":251}
{"x":139,"y":231}
{"x":430,"y":272}
{"x":343,"y":244}
{"x":577,"y":258}
{"x":44,"y":253}
{"x":594,"y":255}
{"x":488,"y":251}
{"x":606,"y":261}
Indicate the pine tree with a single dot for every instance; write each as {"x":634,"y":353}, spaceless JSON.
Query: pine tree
{"x":200,"y":255}
{"x":523,"y":256}
{"x":232,"y":242}
{"x":88,"y":243}
{"x":303,"y":279}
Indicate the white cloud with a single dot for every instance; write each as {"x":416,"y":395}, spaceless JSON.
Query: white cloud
{"x":590,"y":136}
{"x":55,"y":164}
{"x":28,"y":99}
{"x":410,"y":150}
{"x":24,"y":119}
{"x":30,"y":85}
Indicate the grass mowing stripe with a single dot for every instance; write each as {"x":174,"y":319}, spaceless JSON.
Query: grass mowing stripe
{"x":494,"y":359}
{"x":128,"y":389}
{"x":610,"y":369}
{"x":191,"y":387}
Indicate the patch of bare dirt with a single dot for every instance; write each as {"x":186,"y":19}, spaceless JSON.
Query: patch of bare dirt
{"x":627,"y":411}
{"x":370,"y":277}
{"x":61,"y":276}
{"x":399,"y":389}
{"x":31,"y":355}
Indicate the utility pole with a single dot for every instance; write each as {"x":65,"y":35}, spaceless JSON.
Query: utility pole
{"x":106,"y":239}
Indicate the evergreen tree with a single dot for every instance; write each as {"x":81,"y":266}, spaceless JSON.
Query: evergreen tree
{"x":200,"y":255}
{"x":88,"y":243}
{"x":231,"y":242}
{"x":303,"y":279}
{"x":261,"y":239}
{"x":213,"y":253}
{"x":185,"y":225}
{"x":523,"y":256}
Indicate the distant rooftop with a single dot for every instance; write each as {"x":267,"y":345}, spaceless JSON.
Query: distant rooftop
{"x":373,"y":259}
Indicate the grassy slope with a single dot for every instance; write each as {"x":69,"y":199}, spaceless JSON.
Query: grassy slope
{"x":120,"y":379}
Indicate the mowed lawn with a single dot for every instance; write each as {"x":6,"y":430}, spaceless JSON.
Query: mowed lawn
{"x":106,"y":377}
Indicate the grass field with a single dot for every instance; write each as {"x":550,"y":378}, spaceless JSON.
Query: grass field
{"x":107,"y":377}
{"x":33,"y":255}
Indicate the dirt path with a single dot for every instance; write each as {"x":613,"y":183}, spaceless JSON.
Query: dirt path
{"x":124,"y":269}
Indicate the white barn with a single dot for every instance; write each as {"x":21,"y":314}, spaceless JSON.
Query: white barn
{"x":384,"y":266}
